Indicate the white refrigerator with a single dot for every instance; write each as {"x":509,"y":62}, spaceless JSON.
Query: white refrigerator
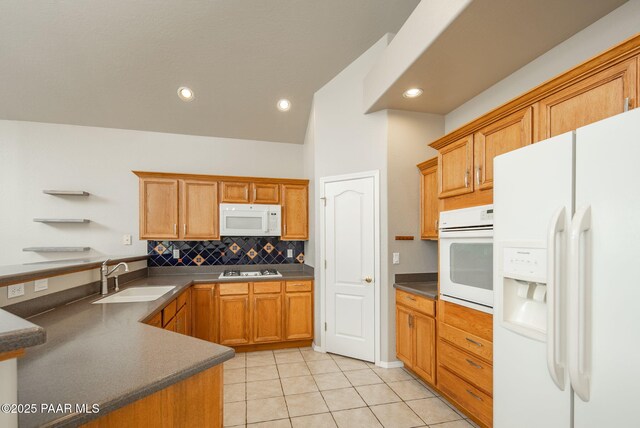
{"x":567,"y":279}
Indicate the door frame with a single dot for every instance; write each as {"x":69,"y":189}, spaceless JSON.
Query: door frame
{"x":375,"y":174}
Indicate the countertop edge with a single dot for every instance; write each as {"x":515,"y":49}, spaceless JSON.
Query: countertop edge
{"x":23,"y":338}
{"x":408,"y":288}
{"x":48,"y":272}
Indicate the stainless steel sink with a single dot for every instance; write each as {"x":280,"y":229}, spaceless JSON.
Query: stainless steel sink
{"x":137,"y":294}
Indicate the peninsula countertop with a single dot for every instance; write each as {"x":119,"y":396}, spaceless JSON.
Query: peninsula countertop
{"x":17,"y":333}
{"x":104,"y":354}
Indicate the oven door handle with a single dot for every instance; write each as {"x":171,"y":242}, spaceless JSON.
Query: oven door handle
{"x":467,"y":234}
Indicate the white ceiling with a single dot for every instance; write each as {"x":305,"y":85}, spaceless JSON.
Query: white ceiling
{"x":119,"y":63}
{"x":486,"y":42}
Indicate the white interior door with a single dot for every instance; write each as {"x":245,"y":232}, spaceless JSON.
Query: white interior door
{"x":350,"y":262}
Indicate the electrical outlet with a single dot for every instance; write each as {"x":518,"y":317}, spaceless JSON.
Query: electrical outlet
{"x":176,"y":254}
{"x":16,"y":290}
{"x":396,"y":258}
{"x":290,"y":253}
{"x":41,"y":285}
{"x":126,"y":239}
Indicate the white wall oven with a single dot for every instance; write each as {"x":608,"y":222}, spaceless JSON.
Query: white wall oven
{"x":466,"y":257}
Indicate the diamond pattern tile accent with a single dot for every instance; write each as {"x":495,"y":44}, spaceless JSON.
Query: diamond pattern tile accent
{"x":228,"y":251}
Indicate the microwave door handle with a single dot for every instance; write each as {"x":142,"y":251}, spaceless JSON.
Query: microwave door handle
{"x":265,"y":221}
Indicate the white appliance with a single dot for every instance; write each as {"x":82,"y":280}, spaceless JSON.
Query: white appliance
{"x":262,"y":273}
{"x":466,"y":257}
{"x":567,"y":241}
{"x":249,"y":220}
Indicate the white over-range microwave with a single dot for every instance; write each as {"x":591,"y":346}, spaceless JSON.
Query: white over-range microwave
{"x":249,"y":220}
{"x":466,"y":257}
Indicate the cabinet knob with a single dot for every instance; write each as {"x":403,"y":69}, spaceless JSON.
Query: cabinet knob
{"x":368,"y":279}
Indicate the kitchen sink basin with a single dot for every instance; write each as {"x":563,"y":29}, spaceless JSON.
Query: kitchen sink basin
{"x":137,"y":294}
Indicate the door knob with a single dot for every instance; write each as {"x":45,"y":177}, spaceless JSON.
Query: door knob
{"x":368,"y":279}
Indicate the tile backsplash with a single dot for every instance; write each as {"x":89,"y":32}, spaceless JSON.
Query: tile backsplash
{"x":228,"y":251}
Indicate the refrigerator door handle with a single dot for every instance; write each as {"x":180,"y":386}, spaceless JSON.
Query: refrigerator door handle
{"x":579,"y":278}
{"x":555,"y":351}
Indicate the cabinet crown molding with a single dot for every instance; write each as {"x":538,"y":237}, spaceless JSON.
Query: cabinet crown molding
{"x":206,"y":177}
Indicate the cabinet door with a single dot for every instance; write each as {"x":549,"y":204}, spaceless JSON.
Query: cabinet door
{"x":429,"y":203}
{"x":203,"y":312}
{"x":158,"y":208}
{"x":171,"y":325}
{"x":234,"y":192}
{"x":454,"y":168}
{"x":199,"y":213}
{"x":267,"y":318}
{"x":295,"y":212}
{"x":265,"y":193}
{"x":234,"y":320}
{"x":181,"y":321}
{"x":595,"y":98}
{"x":298,"y":316}
{"x":500,"y":137}
{"x":404,"y":341}
{"x":424,"y":346}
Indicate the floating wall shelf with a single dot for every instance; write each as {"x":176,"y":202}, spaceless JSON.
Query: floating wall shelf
{"x":57,"y":249}
{"x":62,"y":220}
{"x":66,"y":192}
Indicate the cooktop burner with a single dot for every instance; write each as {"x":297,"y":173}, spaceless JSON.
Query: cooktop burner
{"x":231,"y":273}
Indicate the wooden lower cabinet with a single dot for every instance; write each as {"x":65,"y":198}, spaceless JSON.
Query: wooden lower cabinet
{"x":234,"y":320}
{"x":267,"y":318}
{"x":298,"y":315}
{"x":193,"y":402}
{"x":416,"y":335}
{"x":465,"y":360}
{"x":204,"y":323}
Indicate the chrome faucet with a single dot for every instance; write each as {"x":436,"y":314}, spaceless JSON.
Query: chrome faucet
{"x":105,"y":272}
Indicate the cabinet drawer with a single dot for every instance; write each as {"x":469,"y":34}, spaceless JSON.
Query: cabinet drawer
{"x":419,"y":303}
{"x":295,"y":286}
{"x":475,"y":322}
{"x":182,"y":299}
{"x":467,"y":366}
{"x":266,"y":287}
{"x":169,"y":312}
{"x":467,"y":341}
{"x":235,"y":288}
{"x":470,"y":398}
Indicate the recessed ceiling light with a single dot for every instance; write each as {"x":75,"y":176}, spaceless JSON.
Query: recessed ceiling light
{"x":283,"y":104}
{"x":412,"y":93}
{"x":185,"y":94}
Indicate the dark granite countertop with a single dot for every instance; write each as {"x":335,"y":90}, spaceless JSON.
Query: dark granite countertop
{"x":423,"y":284}
{"x":104,"y":354}
{"x":17,"y":333}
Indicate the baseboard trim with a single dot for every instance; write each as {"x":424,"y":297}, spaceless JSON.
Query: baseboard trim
{"x":390,"y":364}
{"x":318,"y":348}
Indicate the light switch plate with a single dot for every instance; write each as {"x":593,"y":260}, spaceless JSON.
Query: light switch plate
{"x":126,"y":239}
{"x":290,"y":253}
{"x":176,"y":254}
{"x":41,"y":284}
{"x":396,"y":258}
{"x":15,"y":290}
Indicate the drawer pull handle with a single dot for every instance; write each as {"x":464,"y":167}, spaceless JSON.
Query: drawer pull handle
{"x":474,"y":364}
{"x":410,"y":298}
{"x":477,"y":397}
{"x":473,"y":341}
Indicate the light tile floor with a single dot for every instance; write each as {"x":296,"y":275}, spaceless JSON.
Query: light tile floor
{"x":302,"y":388}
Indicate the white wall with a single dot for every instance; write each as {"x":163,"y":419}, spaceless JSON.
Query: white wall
{"x":38,"y":156}
{"x":608,"y":31}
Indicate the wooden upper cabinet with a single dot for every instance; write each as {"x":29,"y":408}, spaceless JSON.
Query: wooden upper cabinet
{"x":199,"y":210}
{"x":234,"y":192}
{"x":455,"y":162}
{"x":158,"y":208}
{"x":511,"y":133}
{"x":429,"y":202}
{"x":295,"y":212}
{"x":265,"y":193}
{"x":597,"y":97}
